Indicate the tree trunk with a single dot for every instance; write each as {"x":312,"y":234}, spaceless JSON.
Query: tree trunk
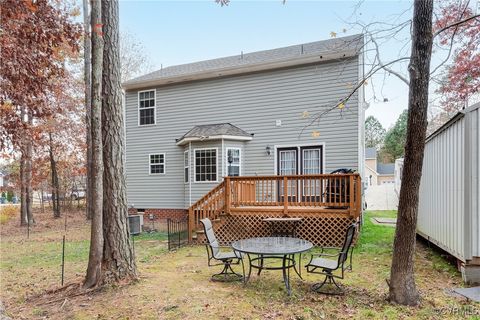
{"x":28,"y":173}
{"x":118,"y":260}
{"x":55,"y":184}
{"x":23,"y":191}
{"x":94,"y":269}
{"x":402,"y":281}
{"x":88,"y":104}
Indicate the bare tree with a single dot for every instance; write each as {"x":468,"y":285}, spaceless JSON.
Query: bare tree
{"x":118,"y":256}
{"x":94,"y":269}
{"x":402,"y":281}
{"x":133,"y":61}
{"x":111,"y":254}
{"x":55,"y":182}
{"x":87,"y":48}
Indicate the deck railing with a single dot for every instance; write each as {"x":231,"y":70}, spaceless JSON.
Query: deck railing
{"x":209,"y":206}
{"x":319,"y":192}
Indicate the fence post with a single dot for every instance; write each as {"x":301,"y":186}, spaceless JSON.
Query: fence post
{"x":285,"y":196}
{"x":227,"y":194}
{"x":352,"y":194}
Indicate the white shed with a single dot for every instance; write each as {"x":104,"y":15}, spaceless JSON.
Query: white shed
{"x":449,"y":207}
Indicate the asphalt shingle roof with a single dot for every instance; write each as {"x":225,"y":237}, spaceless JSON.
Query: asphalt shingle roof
{"x":385,"y":168}
{"x":335,"y":45}
{"x":217,"y":129}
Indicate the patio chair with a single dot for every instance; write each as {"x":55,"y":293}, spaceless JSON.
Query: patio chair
{"x":326,"y":266}
{"x":225,"y":258}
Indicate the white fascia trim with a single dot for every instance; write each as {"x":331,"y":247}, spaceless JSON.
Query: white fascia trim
{"x":225,"y":137}
{"x":307,"y":59}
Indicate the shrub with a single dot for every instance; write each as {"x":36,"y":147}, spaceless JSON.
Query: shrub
{"x":7,"y":212}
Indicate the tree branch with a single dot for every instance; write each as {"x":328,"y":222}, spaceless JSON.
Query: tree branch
{"x":401,"y":77}
{"x":456,"y":24}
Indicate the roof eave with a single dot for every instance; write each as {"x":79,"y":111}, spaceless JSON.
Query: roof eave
{"x":308,"y":59}
{"x":184,"y":141}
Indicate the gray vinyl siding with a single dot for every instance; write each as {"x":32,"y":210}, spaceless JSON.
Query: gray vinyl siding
{"x":252,"y":102}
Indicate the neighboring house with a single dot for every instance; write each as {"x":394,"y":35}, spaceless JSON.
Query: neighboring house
{"x":449,"y":203}
{"x":189,"y":126}
{"x":377,"y":173}
{"x":398,"y":175}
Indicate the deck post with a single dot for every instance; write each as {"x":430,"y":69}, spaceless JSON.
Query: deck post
{"x":352,"y":195}
{"x":359,"y":195}
{"x":190,"y":225}
{"x":285,"y":196}
{"x":227,"y":194}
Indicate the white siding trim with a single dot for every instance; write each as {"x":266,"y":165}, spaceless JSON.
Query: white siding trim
{"x":154,"y":108}
{"x":190,"y":174}
{"x":223,"y":152}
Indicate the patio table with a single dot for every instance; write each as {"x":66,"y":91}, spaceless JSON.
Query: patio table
{"x":272,"y":248}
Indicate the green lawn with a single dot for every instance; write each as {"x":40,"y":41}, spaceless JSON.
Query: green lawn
{"x":176,"y":285}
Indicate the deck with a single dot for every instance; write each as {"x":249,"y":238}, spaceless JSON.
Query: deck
{"x":327,"y":204}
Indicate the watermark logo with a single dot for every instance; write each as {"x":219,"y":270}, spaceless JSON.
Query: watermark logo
{"x":459,"y":310}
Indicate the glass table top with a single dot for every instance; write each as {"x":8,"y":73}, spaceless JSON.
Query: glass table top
{"x":272,"y":245}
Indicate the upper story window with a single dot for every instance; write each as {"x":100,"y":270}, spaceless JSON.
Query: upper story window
{"x":205,"y":165}
{"x":233,"y":160}
{"x":146,"y":107}
{"x":157,"y":163}
{"x":185,"y":166}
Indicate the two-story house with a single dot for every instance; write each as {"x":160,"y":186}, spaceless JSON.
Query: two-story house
{"x":266,"y":113}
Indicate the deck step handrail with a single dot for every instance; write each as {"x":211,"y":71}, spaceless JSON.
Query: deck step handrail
{"x":211,"y":205}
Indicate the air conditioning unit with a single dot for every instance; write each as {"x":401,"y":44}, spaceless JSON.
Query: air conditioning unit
{"x":135,"y":224}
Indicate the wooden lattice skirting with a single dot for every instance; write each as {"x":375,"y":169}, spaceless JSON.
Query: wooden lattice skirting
{"x":325,"y":229}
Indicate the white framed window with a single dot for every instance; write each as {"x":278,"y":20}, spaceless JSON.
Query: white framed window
{"x":156,"y":163}
{"x":146,"y":107}
{"x":186,"y":166}
{"x":233,"y":160}
{"x":206,"y":165}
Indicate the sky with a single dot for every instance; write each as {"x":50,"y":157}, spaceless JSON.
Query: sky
{"x":176,"y":32}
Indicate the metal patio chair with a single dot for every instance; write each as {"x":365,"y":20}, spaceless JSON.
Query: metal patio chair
{"x":225,"y":258}
{"x":326,"y":266}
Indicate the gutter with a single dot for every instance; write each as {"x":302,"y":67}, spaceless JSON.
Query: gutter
{"x":184,"y":141}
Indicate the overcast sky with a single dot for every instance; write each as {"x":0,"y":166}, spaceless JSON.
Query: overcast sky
{"x":176,"y":32}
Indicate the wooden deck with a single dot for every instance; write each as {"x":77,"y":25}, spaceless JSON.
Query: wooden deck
{"x":327,"y":204}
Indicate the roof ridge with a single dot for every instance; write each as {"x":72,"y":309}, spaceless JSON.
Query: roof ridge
{"x":286,"y":53}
